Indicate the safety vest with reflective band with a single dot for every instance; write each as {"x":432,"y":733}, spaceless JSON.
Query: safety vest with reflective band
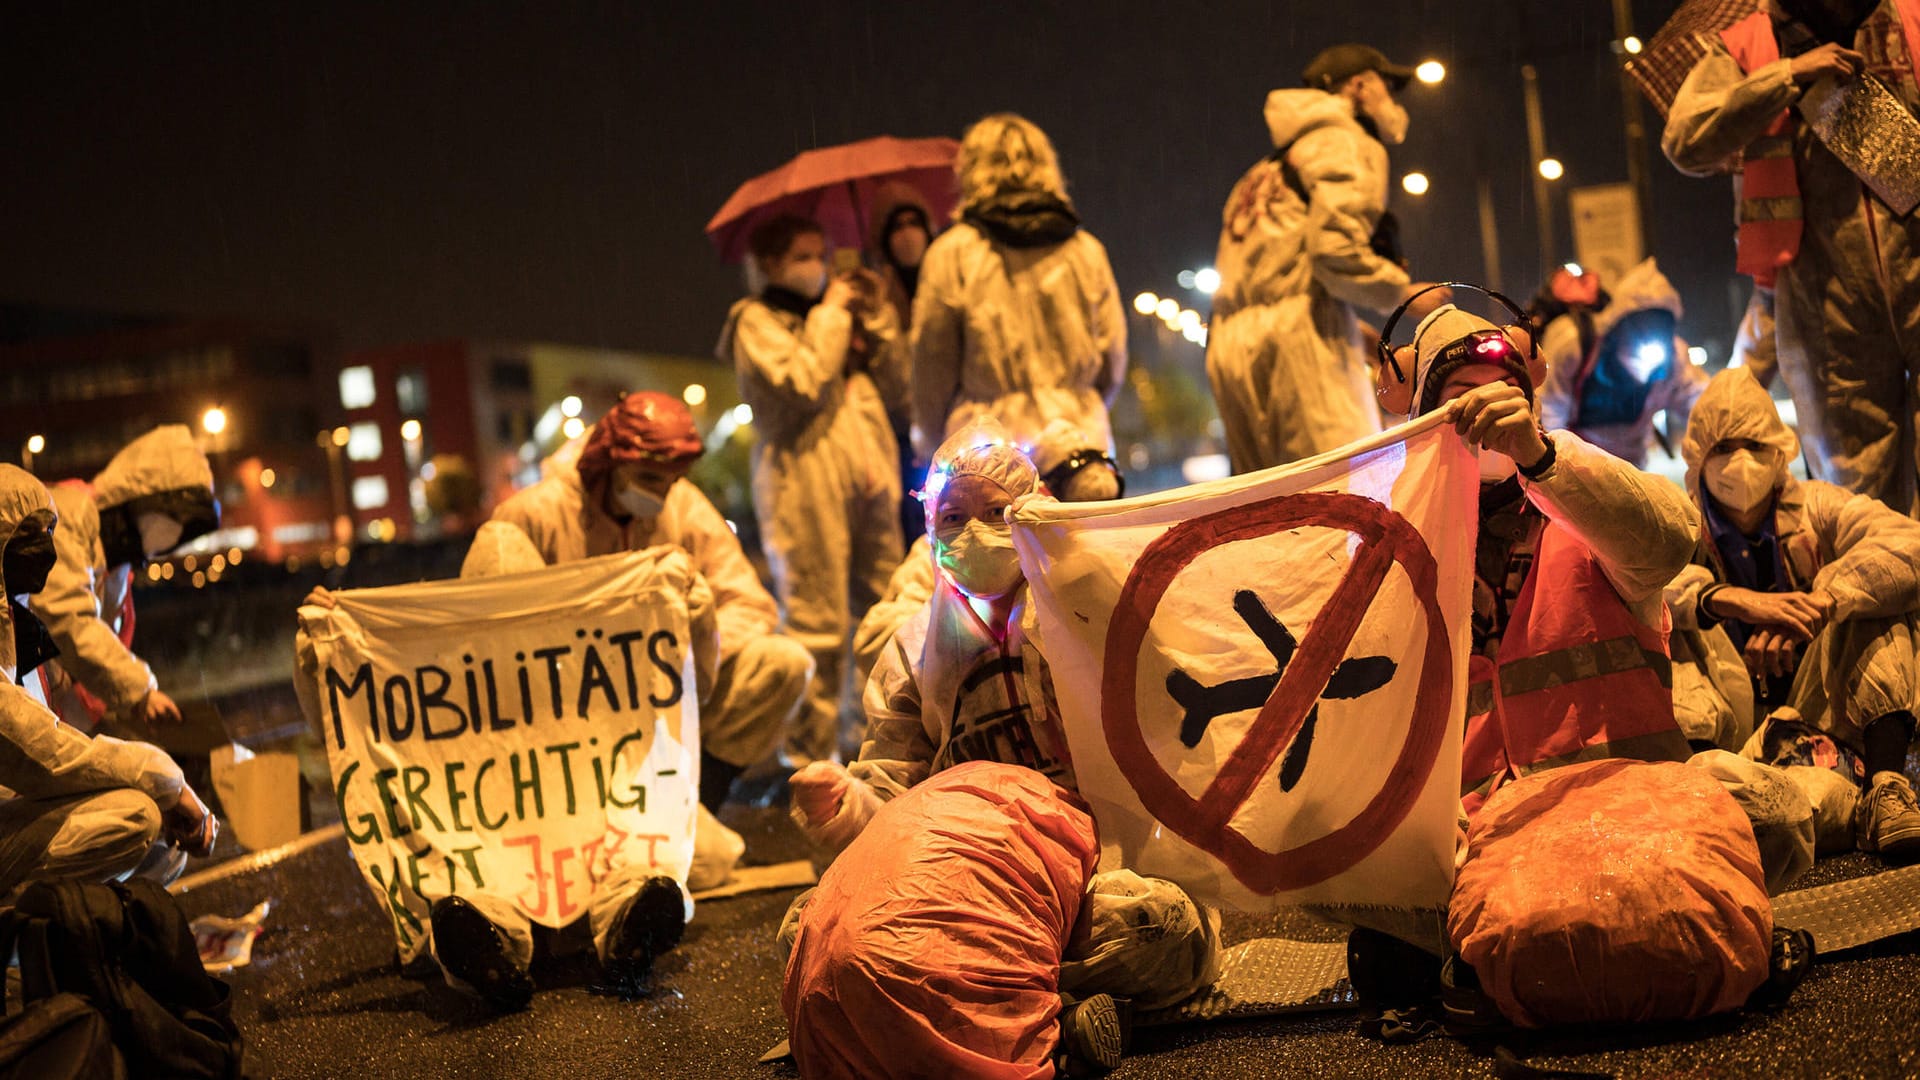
{"x":1771,"y":215}
{"x":1578,"y":677}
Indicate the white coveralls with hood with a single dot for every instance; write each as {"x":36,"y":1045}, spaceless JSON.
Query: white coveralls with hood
{"x":1290,"y":376}
{"x":1860,"y":666}
{"x":79,"y":807}
{"x":155,"y":494}
{"x":961,"y":681}
{"x":1017,"y":317}
{"x":826,"y":479}
{"x":1605,"y":382}
{"x":1847,"y":304}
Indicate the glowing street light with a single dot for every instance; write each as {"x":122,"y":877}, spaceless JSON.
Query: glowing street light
{"x":1551,"y":169}
{"x":570,"y":405}
{"x":410,"y":430}
{"x":573,"y":427}
{"x":694,"y":395}
{"x":1189,"y":319}
{"x":1206,"y":280}
{"x":214,"y":420}
{"x":341,"y":435}
{"x":1168,"y":309}
{"x":1430,"y":72}
{"x":1145,"y":303}
{"x":1414,"y":183}
{"x":1632,"y":45}
{"x":267,"y":477}
{"x":35,"y":444}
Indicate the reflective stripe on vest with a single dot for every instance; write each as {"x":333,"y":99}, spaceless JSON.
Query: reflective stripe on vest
{"x":1579,"y":678}
{"x":1771,"y":213}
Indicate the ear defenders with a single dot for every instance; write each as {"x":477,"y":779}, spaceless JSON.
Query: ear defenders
{"x":1398,"y":382}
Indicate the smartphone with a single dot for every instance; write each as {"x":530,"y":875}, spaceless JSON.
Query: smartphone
{"x":845,"y":260}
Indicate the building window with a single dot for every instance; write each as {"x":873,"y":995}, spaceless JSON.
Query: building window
{"x":356,"y":387}
{"x":363,"y":442}
{"x":410,"y":390}
{"x":512,"y":375}
{"x":369,"y":492}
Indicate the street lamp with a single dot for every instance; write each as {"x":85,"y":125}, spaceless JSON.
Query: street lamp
{"x":1414,"y":183}
{"x":694,"y":395}
{"x":1206,"y":280}
{"x":214,"y":420}
{"x":1632,"y":45}
{"x":35,"y":444}
{"x":1551,"y":169}
{"x":1145,"y":303}
{"x":410,"y":430}
{"x":570,"y":406}
{"x":1430,"y":72}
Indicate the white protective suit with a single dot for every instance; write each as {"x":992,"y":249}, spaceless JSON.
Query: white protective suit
{"x":1861,"y":666}
{"x":85,"y":596}
{"x":1570,"y":371}
{"x":1015,"y":321}
{"x":1847,"y":308}
{"x":84,"y":808}
{"x":1284,"y":353}
{"x":826,"y":480}
{"x":762,"y":676}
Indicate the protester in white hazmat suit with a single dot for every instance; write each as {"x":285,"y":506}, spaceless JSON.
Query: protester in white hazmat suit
{"x":819,"y":361}
{"x":1017,"y":315}
{"x":1847,"y":289}
{"x":1073,"y":468}
{"x":627,"y":491}
{"x":81,"y":808}
{"x":1297,"y":257}
{"x":1610,"y":372}
{"x":928,"y":708}
{"x":156,"y":494}
{"x":1820,"y":591}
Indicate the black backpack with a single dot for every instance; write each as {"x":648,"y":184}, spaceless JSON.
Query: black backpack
{"x":59,"y":1038}
{"x":127,"y":950}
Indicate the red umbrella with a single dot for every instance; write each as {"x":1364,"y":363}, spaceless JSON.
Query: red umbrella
{"x":836,"y":186}
{"x":1685,"y":37}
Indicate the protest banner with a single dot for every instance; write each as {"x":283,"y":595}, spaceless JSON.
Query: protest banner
{"x":521,"y":736}
{"x":1263,"y":678}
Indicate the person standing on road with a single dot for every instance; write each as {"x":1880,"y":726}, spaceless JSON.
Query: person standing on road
{"x":1301,"y":247}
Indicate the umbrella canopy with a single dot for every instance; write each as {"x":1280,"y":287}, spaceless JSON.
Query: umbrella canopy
{"x":836,"y":186}
{"x":1682,"y":41}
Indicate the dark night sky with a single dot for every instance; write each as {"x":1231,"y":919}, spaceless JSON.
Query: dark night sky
{"x":410,"y":170}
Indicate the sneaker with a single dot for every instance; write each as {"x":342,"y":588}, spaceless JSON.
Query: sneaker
{"x":650,"y":924}
{"x":474,"y":951}
{"x":1093,"y":1037}
{"x":1889,"y":820}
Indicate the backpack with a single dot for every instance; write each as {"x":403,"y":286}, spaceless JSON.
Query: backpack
{"x":127,"y":950}
{"x":59,"y":1038}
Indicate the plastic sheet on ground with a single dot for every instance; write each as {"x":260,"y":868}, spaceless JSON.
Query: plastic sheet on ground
{"x":1266,"y":977}
{"x":1850,"y":913}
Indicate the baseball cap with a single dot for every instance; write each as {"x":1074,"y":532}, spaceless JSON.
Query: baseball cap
{"x":1341,"y":62}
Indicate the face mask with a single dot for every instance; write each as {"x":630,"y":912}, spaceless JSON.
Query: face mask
{"x":28,"y":561}
{"x":1495,"y":466}
{"x":1740,"y":481}
{"x":638,"y":502}
{"x":809,"y":279}
{"x":159,"y":534}
{"x":1389,"y":119}
{"x":981,"y":560}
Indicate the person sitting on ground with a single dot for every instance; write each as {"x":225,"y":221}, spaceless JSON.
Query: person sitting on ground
{"x":79,"y":808}
{"x":1072,"y":467}
{"x":1575,"y":547}
{"x":928,"y":709}
{"x":1818,"y":588}
{"x":155,"y":495}
{"x":1612,"y":367}
{"x":628,"y":491}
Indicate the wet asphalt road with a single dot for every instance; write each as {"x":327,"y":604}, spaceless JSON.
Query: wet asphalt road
{"x":323,"y":999}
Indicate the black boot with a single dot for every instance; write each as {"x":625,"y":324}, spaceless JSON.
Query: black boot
{"x":473,"y":950}
{"x":650,"y":924}
{"x":1093,"y":1036}
{"x":716,"y":780}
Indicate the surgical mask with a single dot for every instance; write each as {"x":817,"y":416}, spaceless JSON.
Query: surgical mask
{"x":981,"y":560}
{"x":809,"y":279}
{"x":638,"y":502}
{"x":159,"y":534}
{"x":1389,"y":119}
{"x":1740,"y":481}
{"x":1495,"y":466}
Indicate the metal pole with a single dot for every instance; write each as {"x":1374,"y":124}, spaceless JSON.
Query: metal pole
{"x":1489,"y":237}
{"x":1636,"y":127}
{"x":1536,"y":150}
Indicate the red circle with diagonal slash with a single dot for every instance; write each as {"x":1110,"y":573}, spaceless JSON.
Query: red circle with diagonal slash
{"x":1386,"y":538}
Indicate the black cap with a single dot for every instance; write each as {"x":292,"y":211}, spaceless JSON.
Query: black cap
{"x":1342,"y":62}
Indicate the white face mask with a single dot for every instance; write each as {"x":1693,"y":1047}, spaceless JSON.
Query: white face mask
{"x":809,"y":279}
{"x":1389,"y":119}
{"x":159,"y":534}
{"x":1740,"y":481}
{"x":981,"y":560}
{"x":638,"y":502}
{"x":1495,"y":466}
